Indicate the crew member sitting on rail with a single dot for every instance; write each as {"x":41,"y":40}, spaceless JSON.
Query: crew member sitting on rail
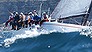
{"x":44,"y":18}
{"x":22,"y":18}
{"x":16,"y":21}
{"x":27,"y":20}
{"x":36,"y":18}
{"x":31,"y":18}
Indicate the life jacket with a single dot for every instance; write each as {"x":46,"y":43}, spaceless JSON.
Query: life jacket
{"x":46,"y":20}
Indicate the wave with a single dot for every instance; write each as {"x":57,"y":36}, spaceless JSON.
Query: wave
{"x":53,"y":42}
{"x":87,"y":31}
{"x":9,"y":37}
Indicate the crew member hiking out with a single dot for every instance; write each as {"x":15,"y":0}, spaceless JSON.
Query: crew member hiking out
{"x":16,"y":22}
{"x":30,"y":19}
{"x":27,"y":20}
{"x":22,"y":18}
{"x":36,"y":18}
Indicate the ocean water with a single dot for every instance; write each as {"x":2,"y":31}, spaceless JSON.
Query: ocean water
{"x":45,"y":41}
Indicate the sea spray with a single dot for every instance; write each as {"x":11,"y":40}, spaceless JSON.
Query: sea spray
{"x":30,"y":33}
{"x":23,"y":34}
{"x":86,"y":32}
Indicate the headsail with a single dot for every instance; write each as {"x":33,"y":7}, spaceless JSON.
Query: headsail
{"x":67,"y":8}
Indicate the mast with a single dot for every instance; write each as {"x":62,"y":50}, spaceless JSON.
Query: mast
{"x":40,"y":9}
{"x":48,"y":11}
{"x":86,"y":16}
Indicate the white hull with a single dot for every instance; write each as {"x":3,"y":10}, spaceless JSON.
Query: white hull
{"x":62,"y":27}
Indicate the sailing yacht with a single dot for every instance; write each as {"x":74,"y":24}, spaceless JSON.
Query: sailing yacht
{"x":67,"y":10}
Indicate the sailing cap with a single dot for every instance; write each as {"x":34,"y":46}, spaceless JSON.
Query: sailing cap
{"x":34,"y":10}
{"x":44,"y":13}
{"x":16,"y":12}
{"x":30,"y":12}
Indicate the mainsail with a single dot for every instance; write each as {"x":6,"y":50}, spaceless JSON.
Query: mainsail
{"x":67,"y":8}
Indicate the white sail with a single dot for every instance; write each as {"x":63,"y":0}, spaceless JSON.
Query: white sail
{"x":67,"y":8}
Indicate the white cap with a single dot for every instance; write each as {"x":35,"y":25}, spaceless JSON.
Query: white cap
{"x":44,"y":12}
{"x":30,"y":12}
{"x":16,"y":12}
{"x":34,"y":10}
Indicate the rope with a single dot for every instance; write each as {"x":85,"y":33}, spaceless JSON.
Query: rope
{"x":75,"y":21}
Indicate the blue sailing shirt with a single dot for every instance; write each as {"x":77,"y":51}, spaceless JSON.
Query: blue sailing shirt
{"x":36,"y":18}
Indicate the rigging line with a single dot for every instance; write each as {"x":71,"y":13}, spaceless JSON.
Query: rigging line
{"x":58,"y":5}
{"x":75,"y":21}
{"x":55,"y":7}
{"x":86,"y":16}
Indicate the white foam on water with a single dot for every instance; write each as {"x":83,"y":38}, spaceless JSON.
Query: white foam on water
{"x":87,"y":32}
{"x":26,"y":33}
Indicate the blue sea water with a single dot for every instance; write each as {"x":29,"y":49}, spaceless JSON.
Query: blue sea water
{"x":49,"y":42}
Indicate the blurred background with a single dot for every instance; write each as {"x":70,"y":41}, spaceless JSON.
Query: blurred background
{"x":25,"y":6}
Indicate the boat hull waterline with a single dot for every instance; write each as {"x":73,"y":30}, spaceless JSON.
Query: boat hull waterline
{"x":62,"y":27}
